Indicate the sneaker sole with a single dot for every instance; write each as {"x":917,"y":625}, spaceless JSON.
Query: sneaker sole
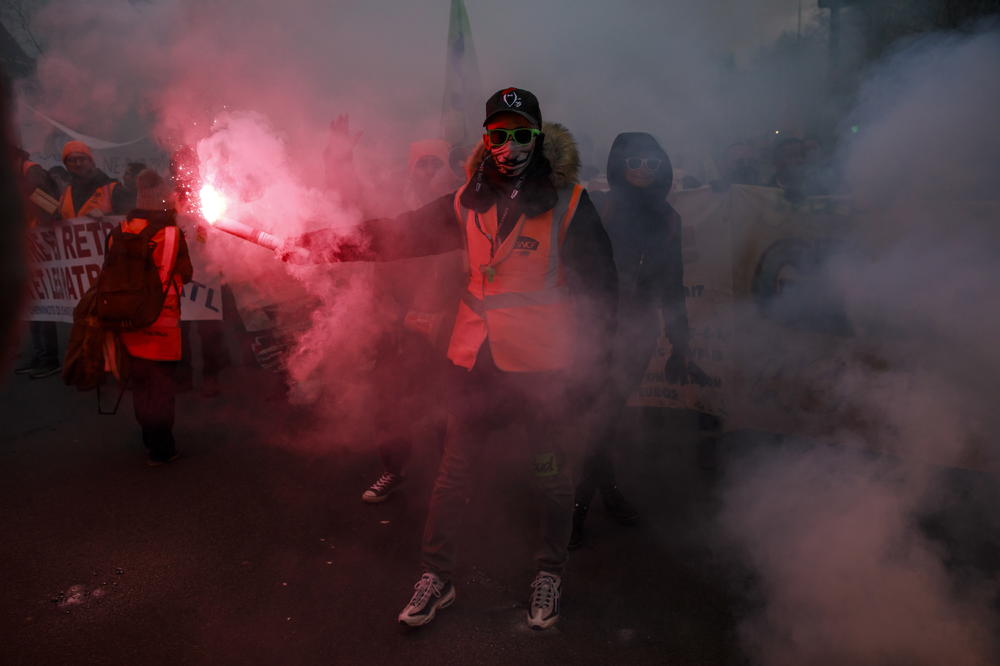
{"x":445,"y":601}
{"x":541,"y":625}
{"x":161,"y":463}
{"x":378,"y":499}
{"x":47,"y":373}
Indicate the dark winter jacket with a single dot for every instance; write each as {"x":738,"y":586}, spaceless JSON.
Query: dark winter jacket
{"x":645,"y":233}
{"x":83,"y":189}
{"x":433,"y":229}
{"x":31,"y":179}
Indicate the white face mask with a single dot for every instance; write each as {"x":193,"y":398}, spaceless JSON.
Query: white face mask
{"x":512,"y":158}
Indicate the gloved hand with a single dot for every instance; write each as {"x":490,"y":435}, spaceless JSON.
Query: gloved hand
{"x":676,"y":369}
{"x":698,"y":376}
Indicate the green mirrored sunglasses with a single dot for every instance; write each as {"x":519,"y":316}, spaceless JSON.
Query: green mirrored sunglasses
{"x":521,"y":135}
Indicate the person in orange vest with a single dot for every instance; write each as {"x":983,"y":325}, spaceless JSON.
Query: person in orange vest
{"x":36,"y":187}
{"x":533,"y":327}
{"x":155,"y":350}
{"x":420,"y":293}
{"x":91,"y":191}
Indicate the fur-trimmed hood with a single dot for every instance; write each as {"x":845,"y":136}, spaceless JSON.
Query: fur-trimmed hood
{"x":559,"y":148}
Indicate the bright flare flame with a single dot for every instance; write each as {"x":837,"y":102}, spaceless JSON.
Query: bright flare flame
{"x":213,"y":203}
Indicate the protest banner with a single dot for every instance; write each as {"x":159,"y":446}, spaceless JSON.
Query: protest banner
{"x":66,"y":257}
{"x":741,"y":248}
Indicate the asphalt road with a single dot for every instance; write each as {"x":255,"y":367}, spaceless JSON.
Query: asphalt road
{"x":255,"y":548}
{"x":251,"y":550}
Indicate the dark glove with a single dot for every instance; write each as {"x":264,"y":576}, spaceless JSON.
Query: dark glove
{"x":676,"y":369}
{"x":698,"y":376}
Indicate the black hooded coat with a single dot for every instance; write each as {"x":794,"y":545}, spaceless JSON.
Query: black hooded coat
{"x":645,"y":233}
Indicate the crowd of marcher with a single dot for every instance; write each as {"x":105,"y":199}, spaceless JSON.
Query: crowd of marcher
{"x":524,"y":298}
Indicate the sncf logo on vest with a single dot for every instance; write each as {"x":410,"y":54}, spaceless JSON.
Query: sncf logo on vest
{"x":525,"y":243}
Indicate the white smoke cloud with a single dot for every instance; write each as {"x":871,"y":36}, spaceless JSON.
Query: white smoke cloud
{"x":846,"y":573}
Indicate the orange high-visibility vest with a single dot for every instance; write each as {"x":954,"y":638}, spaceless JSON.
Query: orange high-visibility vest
{"x":517,"y":296}
{"x":99,"y":200}
{"x":161,"y":340}
{"x":26,"y":167}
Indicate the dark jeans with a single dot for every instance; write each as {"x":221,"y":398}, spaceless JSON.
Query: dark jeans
{"x":153,"y":396}
{"x":486,"y":400}
{"x":633,"y":350}
{"x":44,"y":344}
{"x":410,"y":377}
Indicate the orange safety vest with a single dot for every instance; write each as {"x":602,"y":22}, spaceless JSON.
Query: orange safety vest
{"x":99,"y":200}
{"x":160,"y":341}
{"x":517,"y":297}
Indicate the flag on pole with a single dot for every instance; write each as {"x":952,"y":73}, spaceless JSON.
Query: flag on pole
{"x":462,"y":108}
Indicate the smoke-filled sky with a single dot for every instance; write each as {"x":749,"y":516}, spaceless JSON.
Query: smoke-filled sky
{"x":599,"y":68}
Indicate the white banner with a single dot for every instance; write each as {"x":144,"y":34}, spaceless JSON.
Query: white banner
{"x":66,"y":258}
{"x":762,"y":372}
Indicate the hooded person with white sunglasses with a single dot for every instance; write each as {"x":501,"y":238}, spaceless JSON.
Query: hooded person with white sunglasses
{"x":645,"y":233}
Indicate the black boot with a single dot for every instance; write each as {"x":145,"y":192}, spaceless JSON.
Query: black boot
{"x":617,"y":506}
{"x":160,"y":444}
{"x":579,"y":518}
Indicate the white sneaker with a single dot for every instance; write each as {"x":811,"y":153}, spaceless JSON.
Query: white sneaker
{"x":381,"y":489}
{"x":543,"y":608}
{"x":430,"y":594}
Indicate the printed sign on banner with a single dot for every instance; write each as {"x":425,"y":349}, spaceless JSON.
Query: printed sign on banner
{"x":66,"y":258}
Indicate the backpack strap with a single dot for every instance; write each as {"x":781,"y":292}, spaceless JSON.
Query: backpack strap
{"x":108,"y":242}
{"x":171,"y":247}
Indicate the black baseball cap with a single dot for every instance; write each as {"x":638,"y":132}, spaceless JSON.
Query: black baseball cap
{"x":514,"y":100}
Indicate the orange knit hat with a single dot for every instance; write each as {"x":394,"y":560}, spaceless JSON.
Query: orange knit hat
{"x":76,"y":147}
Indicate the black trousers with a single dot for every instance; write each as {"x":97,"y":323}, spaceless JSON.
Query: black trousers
{"x":633,"y":349}
{"x":214,"y":355}
{"x":44,"y":344}
{"x":153,"y":396}
{"x":411,"y":378}
{"x":482,"y":402}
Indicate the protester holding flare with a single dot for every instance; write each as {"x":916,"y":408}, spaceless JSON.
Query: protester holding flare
{"x":154,"y":351}
{"x":534,"y":322}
